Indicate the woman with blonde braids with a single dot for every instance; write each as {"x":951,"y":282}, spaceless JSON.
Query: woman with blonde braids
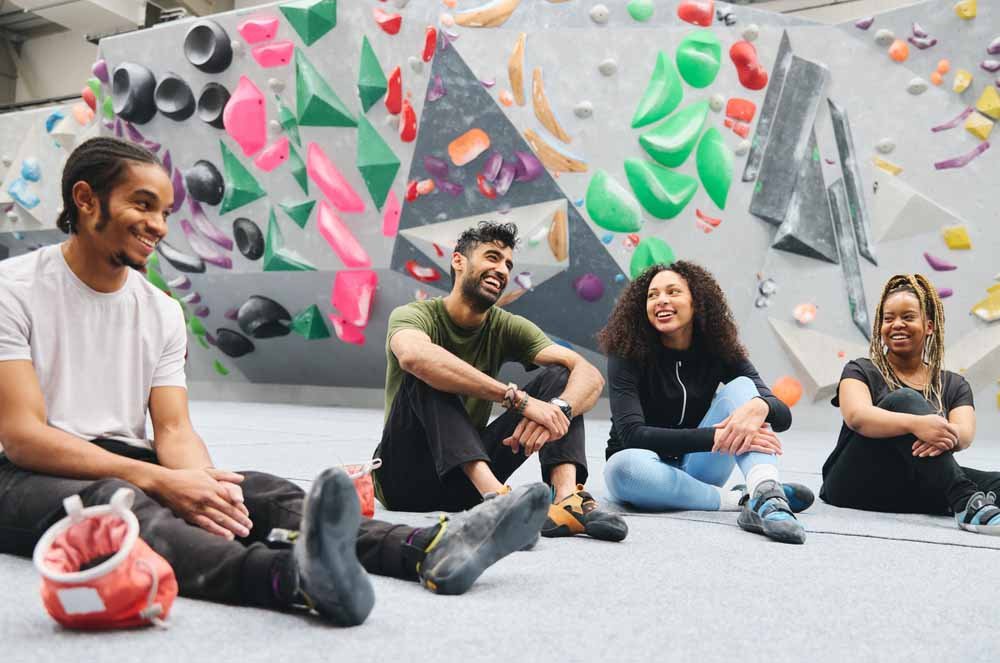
{"x":904,"y":419}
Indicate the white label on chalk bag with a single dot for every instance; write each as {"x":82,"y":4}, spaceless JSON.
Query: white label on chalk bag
{"x":80,"y":600}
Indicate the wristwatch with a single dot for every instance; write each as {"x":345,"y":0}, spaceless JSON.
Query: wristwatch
{"x":566,"y":408}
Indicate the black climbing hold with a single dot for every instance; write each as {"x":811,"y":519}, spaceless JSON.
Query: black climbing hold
{"x":182,"y":262}
{"x":249,"y":238}
{"x":174,"y":98}
{"x":207,"y":46}
{"x":261,"y":317}
{"x":204,"y":183}
{"x":211,"y":103}
{"x":232,"y":343}
{"x":132,"y":89}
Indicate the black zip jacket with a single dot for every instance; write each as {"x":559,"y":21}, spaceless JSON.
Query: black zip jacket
{"x":658,"y":404}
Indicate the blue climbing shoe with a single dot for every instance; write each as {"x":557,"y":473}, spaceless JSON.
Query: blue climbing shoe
{"x":799,"y":497}
{"x":768,"y":513}
{"x":981,"y":514}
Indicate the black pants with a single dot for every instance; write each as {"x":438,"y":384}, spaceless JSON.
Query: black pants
{"x":428,"y":436}
{"x":207,"y":566}
{"x":884,"y":475}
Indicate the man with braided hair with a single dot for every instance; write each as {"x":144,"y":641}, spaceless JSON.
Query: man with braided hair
{"x":905,"y":418}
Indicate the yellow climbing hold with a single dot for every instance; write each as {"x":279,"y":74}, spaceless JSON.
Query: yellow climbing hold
{"x":989,"y":103}
{"x":888,"y":166}
{"x":963,"y":79}
{"x":988,"y":309}
{"x":979,"y":126}
{"x":966,"y":9}
{"x":956,"y":237}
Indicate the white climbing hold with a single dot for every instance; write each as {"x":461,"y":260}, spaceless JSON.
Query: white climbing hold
{"x":884,"y":37}
{"x":237,"y":47}
{"x":275,"y":85}
{"x":716,"y":102}
{"x":751,"y":32}
{"x":584,"y":109}
{"x":392,"y":121}
{"x":599,"y":14}
{"x":742,"y":148}
{"x":274,"y":127}
{"x":885,"y":146}
{"x":608,"y":67}
{"x":916,"y":86}
{"x":416,"y":64}
{"x":12,"y":216}
{"x":7,"y":160}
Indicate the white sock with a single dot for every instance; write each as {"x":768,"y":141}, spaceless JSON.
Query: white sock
{"x":758,"y":474}
{"x":729,"y":499}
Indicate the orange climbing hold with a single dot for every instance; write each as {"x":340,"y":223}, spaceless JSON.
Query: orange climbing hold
{"x":741,"y":129}
{"x":788,"y":390}
{"x":468,"y":146}
{"x":899,"y":51}
{"x":936,"y":78}
{"x":943,"y":67}
{"x":425,"y":186}
{"x":506,"y":98}
{"x":740,"y":109}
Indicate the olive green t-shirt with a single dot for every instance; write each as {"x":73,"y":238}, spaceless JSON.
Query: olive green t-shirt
{"x":502,"y":337}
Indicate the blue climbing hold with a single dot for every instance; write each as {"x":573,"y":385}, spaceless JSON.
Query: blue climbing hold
{"x":18,"y":235}
{"x":18,"y":190}
{"x":619,"y":278}
{"x":607,"y":239}
{"x":31,"y":170}
{"x":52,"y":120}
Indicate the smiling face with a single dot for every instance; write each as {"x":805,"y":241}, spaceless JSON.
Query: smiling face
{"x":125,"y":229}
{"x":483,"y":276}
{"x":669,"y":306}
{"x":904,"y":326}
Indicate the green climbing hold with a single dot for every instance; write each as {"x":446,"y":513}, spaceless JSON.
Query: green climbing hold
{"x":662,"y":95}
{"x":309,"y":323}
{"x":299,"y":212}
{"x":276,"y":257}
{"x":155,"y":278}
{"x":715,"y":166}
{"x":153,"y":261}
{"x":661,"y":191}
{"x":289,"y":124}
{"x":316,"y":102}
{"x":299,"y":171}
{"x":197,"y":328}
{"x":671,"y":142}
{"x":641,"y":10}
{"x":699,"y":57}
{"x":311,"y":18}
{"x":372,"y":83}
{"x":202,"y":341}
{"x":241,"y":186}
{"x":95,"y":87}
{"x":219,"y":368}
{"x":376,"y":162}
{"x":650,"y":251}
{"x":611,"y":206}
{"x":108,"y":108}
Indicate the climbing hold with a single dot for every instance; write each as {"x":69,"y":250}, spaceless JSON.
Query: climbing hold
{"x":245,"y":117}
{"x":917,"y":86}
{"x":989,"y":103}
{"x":372,"y":83}
{"x":491,"y":15}
{"x":407,"y":122}
{"x":607,"y":67}
{"x":589,"y":287}
{"x":375,"y":161}
{"x":899,"y":51}
{"x":330,"y":181}
{"x":788,"y":390}
{"x":258,"y":28}
{"x":553,"y":158}
{"x":611,"y":206}
{"x":207,"y":46}
{"x":583,"y":110}
{"x":885,"y":37}
{"x":599,"y":14}
{"x":315,"y":101}
{"x":979,"y":125}
{"x":956,"y":237}
{"x":100,"y":70}
{"x":699,"y":57}
{"x":804,"y":313}
{"x":52,"y":120}
{"x":885,"y":146}
{"x":232,"y":344}
{"x":650,"y":251}
{"x":89,"y":98}
{"x":663,"y":193}
{"x":276,"y":54}
{"x":742,"y":148}
{"x":963,"y":79}
{"x":201,"y":223}
{"x":752,"y":74}
{"x":242,"y":187}
{"x":299,"y":212}
{"x":988,"y":309}
{"x":249,"y":238}
{"x":751,"y":32}
{"x":18,"y":190}
{"x":921,"y":42}
{"x":289,"y":124}
{"x":219,"y":368}
{"x":887,"y":166}
{"x":31,"y":170}
{"x":309,"y":324}
{"x":663,"y":93}
{"x":173,"y":98}
{"x":390,"y":23}
{"x":742,"y":110}
{"x":132,"y":92}
{"x":705,"y":222}
{"x":203,"y":248}
{"x":963,"y":160}
{"x":558,"y":236}
{"x":966,"y":9}
{"x":716,"y":102}
{"x":204,"y":183}
{"x":864,"y":23}
{"x":416,"y":64}
{"x":715,"y":166}
{"x":640,"y":10}
{"x":528,"y":168}
{"x":311,"y":19}
{"x":992,"y":66}
{"x":394,"y":97}
{"x":277,"y":258}
{"x":937,"y":264}
{"x":273,"y":156}
{"x":212,"y":104}
{"x":515,"y":69}
{"x":468,"y":146}
{"x":391,"y":214}
{"x":340,"y":238}
{"x":698,"y":12}
{"x":262,"y":317}
{"x":543,"y":111}
{"x":422,"y":273}
{"x":936,"y":78}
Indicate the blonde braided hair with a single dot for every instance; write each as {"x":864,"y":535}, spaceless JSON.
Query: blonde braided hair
{"x":933,"y":353}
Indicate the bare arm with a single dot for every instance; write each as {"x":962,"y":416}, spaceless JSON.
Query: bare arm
{"x":861,"y":416}
{"x":585,"y":382}
{"x":964,"y":419}
{"x":432,"y":364}
{"x":178,"y":446}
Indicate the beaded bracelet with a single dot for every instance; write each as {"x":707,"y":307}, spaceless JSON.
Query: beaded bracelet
{"x":509,"y":396}
{"x":523,"y":404}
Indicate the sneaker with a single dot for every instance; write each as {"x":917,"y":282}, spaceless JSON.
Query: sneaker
{"x":981,"y":514}
{"x":579,"y":514}
{"x":466,"y":545}
{"x":331,"y":581}
{"x":799,"y":497}
{"x":768,"y":513}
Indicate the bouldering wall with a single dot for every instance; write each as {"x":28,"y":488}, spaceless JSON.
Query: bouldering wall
{"x":325,"y":155}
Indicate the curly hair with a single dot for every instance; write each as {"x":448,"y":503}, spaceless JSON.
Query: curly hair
{"x":629,"y":335}
{"x":485,"y":232}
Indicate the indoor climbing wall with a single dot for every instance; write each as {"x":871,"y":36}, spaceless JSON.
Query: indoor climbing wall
{"x":326,"y":154}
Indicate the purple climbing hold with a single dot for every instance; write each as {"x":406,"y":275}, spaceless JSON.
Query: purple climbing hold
{"x":589,"y":287}
{"x":864,"y":23}
{"x":232,"y":314}
{"x":100,"y":70}
{"x":944,"y":293}
{"x":937,"y":264}
{"x":437,"y":90}
{"x":436,"y":167}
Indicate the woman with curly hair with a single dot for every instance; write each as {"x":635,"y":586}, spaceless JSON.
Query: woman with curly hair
{"x":905,"y":418}
{"x":675,"y":435}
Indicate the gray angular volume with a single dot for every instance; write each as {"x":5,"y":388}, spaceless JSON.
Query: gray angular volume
{"x":808,"y":227}
{"x":852,"y":182}
{"x":847,"y":247}
{"x":781,"y":64}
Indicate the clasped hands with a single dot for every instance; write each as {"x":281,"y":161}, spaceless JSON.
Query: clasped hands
{"x":935,"y":435}
{"x":744,"y":430}
{"x":209,"y":498}
{"x":540,"y":423}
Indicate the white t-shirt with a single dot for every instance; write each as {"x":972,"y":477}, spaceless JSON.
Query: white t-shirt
{"x":97,"y":355}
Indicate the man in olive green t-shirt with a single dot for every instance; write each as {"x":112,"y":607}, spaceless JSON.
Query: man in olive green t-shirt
{"x":438,"y":450}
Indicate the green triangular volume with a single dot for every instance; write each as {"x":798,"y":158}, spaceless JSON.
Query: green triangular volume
{"x":372,"y":83}
{"x":315,"y":101}
{"x":289,"y":124}
{"x":276,"y":257}
{"x":299,"y":171}
{"x":309,"y":323}
{"x":299,"y":212}
{"x":242,"y":187}
{"x":376,"y":162}
{"x":311,"y":19}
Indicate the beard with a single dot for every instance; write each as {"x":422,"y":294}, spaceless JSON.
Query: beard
{"x":478,"y":300}
{"x":118,"y":258}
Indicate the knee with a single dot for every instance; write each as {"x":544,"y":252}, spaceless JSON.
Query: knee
{"x":906,"y":401}
{"x":552,"y":381}
{"x":626,"y":473}
{"x":100,"y":492}
{"x":739,"y":390}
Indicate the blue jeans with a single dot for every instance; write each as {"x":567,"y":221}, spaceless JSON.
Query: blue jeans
{"x":642,"y":479}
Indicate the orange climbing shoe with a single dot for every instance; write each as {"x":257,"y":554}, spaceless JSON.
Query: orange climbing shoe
{"x":579,"y":514}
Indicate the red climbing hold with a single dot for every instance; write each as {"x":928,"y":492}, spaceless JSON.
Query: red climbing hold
{"x":430,"y":43}
{"x":741,"y":129}
{"x":421,"y":273}
{"x":752,"y":74}
{"x":729,"y":122}
{"x":390,"y":23}
{"x":740,"y":109}
{"x":411,"y":191}
{"x":394,"y":97}
{"x":699,"y":12}
{"x":485,"y":187}
{"x":408,"y":123}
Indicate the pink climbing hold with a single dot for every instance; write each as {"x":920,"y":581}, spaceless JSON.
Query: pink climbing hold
{"x":326,"y":176}
{"x":258,"y":28}
{"x":340,"y":238}
{"x":390,"y":215}
{"x":353,"y":293}
{"x":277,"y":54}
{"x":937,"y":264}
{"x":273,"y":156}
{"x":245,"y":117}
{"x":347,"y":332}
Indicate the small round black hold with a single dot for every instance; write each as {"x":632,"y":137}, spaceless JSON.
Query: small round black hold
{"x":174,"y":98}
{"x":211,"y":103}
{"x":204,"y":183}
{"x":207,"y":46}
{"x":132,"y":89}
{"x":249,"y":238}
{"x":262,"y":317}
{"x":231,"y":343}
